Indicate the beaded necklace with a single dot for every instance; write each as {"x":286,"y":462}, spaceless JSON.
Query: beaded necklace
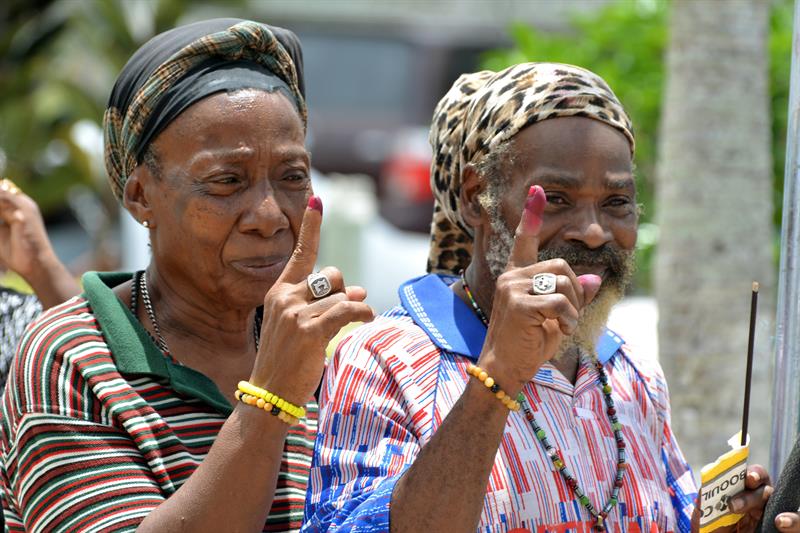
{"x":555,"y":454}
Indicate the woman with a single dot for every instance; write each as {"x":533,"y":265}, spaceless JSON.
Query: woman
{"x":26,"y":250}
{"x":124,"y":411}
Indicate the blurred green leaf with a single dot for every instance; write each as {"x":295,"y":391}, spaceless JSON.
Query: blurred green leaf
{"x":625,"y":43}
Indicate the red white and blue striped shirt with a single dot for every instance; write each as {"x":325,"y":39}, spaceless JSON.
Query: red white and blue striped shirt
{"x":392,"y":382}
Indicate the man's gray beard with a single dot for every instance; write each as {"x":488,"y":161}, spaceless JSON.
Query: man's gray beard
{"x":499,"y":247}
{"x":595,"y":316}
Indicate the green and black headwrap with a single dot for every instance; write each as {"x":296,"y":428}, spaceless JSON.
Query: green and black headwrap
{"x":484,"y":109}
{"x":177,"y":68}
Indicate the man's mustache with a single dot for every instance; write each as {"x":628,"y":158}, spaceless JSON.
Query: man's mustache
{"x":618,"y":263}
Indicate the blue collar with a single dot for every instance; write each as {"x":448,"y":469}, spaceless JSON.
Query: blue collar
{"x":453,"y":326}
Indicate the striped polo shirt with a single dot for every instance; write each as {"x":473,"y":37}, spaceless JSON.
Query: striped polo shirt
{"x":98,"y":427}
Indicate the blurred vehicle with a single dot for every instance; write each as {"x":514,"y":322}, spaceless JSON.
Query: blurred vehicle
{"x":371,"y":94}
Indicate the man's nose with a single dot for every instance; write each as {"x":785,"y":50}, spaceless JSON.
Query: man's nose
{"x":587,"y":228}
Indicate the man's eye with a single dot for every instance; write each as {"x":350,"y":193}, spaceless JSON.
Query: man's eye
{"x":556,"y":199}
{"x":619,"y":202}
{"x":226,"y":180}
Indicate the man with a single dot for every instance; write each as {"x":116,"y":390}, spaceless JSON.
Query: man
{"x":413,"y":437}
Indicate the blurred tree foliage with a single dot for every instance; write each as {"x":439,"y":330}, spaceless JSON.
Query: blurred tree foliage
{"x":58,"y":62}
{"x":625,"y":42}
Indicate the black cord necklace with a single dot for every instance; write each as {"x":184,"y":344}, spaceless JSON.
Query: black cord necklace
{"x":139,"y":285}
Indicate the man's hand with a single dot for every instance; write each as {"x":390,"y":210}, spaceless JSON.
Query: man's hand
{"x":526,"y":329}
{"x":750,"y":503}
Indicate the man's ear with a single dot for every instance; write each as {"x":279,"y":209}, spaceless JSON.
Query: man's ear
{"x":472,"y":185}
{"x":134,"y":196}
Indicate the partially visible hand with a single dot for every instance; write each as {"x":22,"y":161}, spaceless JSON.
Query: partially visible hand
{"x":23,"y":238}
{"x":750,"y":502}
{"x":26,"y":249}
{"x":788,"y":522}
{"x":526,"y":329}
{"x":297,"y":328}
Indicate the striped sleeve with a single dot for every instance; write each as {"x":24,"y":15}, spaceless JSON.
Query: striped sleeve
{"x":367,"y":436}
{"x":64,"y":465}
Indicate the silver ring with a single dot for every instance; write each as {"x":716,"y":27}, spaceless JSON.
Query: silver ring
{"x":319,"y":285}
{"x":544,"y":283}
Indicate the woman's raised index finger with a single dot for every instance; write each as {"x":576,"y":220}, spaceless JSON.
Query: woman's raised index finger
{"x":302,"y":261}
{"x":525,"y":251}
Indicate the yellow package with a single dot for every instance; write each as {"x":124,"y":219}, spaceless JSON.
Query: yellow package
{"x":720,"y":481}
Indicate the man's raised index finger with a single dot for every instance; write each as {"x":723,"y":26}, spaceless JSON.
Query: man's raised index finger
{"x":526,"y":238}
{"x":302,"y":261}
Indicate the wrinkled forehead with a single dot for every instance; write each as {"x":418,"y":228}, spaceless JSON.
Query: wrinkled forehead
{"x":571,"y":146}
{"x":233,"y":127}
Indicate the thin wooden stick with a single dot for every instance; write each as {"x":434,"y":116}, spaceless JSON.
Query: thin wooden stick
{"x":749,"y":375}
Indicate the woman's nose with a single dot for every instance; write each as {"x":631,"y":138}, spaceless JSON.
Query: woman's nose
{"x":264,"y":215}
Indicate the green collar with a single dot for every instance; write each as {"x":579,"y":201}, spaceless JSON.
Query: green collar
{"x":133,"y":350}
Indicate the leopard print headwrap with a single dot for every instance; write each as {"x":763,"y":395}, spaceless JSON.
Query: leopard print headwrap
{"x":484,"y":109}
{"x":164,"y":60}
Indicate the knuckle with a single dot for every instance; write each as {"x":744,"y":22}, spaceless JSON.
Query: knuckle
{"x":505,"y":280}
{"x":334,"y":275}
{"x":561,"y":305}
{"x":306,"y":328}
{"x":301,"y":249}
{"x":291,"y":315}
{"x":563,"y":281}
{"x":281,"y":300}
{"x":337,"y":299}
{"x":288,"y":313}
{"x":560,"y":264}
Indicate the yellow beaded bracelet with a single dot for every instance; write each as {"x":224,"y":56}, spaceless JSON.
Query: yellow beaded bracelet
{"x":255,"y":401}
{"x":294,"y":410}
{"x":483,"y":377}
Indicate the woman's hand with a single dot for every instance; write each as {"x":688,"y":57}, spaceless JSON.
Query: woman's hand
{"x":526,"y":329}
{"x":297,"y":328}
{"x":23,"y":238}
{"x":26,"y":249}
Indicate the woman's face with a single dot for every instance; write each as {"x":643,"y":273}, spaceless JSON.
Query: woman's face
{"x":227,"y":195}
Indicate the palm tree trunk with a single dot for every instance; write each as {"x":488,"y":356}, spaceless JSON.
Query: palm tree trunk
{"x":714,"y":211}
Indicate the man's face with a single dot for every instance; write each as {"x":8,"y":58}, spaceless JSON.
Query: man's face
{"x":591,"y":218}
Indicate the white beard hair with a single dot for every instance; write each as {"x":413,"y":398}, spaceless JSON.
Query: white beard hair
{"x":594,"y":317}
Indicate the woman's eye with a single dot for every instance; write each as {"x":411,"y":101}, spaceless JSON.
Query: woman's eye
{"x":221,"y":185}
{"x":296,"y":177}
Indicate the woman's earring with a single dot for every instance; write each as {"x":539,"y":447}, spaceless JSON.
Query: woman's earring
{"x":146,"y":224}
